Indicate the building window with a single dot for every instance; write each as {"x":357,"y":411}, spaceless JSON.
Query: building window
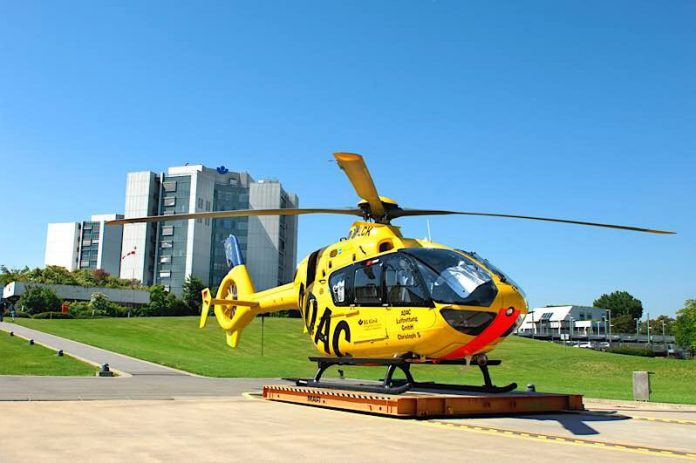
{"x":167,"y":230}
{"x":166,"y":244}
{"x":200,"y":203}
{"x":166,"y":274}
{"x":165,"y":260}
{"x":84,"y":263}
{"x":86,"y":242}
{"x":170,"y":201}
{"x":169,"y":186}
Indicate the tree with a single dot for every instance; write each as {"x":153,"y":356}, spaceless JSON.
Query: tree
{"x":623,"y":324}
{"x":8,"y":275}
{"x":163,"y":303}
{"x":656,"y":326}
{"x":192,"y":294}
{"x":620,"y":303}
{"x":53,"y":274}
{"x":685,"y":325}
{"x":38,"y":299}
{"x":99,"y":303}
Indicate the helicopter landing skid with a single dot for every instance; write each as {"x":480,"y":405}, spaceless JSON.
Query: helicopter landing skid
{"x":389,"y":385}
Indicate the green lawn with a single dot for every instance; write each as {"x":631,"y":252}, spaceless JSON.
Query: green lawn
{"x":177,"y":342}
{"x":17,"y":357}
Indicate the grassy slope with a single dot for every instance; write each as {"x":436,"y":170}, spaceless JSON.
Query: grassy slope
{"x":178,"y":342}
{"x":17,"y":357}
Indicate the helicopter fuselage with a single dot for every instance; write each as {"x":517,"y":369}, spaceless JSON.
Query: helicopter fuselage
{"x":377,"y":294}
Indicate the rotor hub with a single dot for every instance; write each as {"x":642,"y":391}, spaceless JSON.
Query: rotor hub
{"x":389,"y":205}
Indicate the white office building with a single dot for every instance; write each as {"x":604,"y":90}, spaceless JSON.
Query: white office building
{"x":85,"y":245}
{"x":167,"y":252}
{"x":557,"y":320}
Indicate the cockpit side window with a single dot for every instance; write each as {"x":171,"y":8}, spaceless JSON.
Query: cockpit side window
{"x":339,"y":288}
{"x":367,"y":285}
{"x":402,"y":284}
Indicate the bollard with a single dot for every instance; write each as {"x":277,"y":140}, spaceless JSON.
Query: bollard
{"x":31,"y":342}
{"x":531,"y":388}
{"x":641,"y":386}
{"x":105,"y":371}
{"x":340,"y":374}
{"x":11,"y":333}
{"x":59,"y":353}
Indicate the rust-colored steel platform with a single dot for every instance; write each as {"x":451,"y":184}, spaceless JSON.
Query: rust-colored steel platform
{"x":423,"y":404}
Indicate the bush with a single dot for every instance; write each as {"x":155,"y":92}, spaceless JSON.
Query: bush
{"x":81,"y":309}
{"x":38,"y":299}
{"x":53,"y":315}
{"x":115,"y":310}
{"x":637,"y":351}
{"x":163,"y":304}
{"x":103,"y":308}
{"x":19,"y":314}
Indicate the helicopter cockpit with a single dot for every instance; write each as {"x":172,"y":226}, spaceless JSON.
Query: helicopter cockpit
{"x":452,"y":278}
{"x":414,"y":277}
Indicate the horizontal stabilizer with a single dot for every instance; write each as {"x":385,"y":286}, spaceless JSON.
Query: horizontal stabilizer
{"x":205,"y":295}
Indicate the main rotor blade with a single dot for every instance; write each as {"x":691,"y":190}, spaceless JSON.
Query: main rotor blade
{"x":417,"y":212}
{"x":237,"y":213}
{"x":355,"y":168}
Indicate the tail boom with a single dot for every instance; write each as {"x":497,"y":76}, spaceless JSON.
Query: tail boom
{"x":237,"y":303}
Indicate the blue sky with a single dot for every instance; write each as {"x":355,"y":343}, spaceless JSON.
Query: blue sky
{"x":572,"y":109}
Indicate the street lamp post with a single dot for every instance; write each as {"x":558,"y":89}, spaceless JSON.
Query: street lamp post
{"x":533,"y":325}
{"x":609,"y":327}
{"x":606,"y":337}
{"x":637,"y":320}
{"x":664,"y":340}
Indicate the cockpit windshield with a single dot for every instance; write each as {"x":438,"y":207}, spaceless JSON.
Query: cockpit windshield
{"x":504,"y":277}
{"x":452,"y":278}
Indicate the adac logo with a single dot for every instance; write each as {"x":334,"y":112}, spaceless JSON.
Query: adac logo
{"x":222,"y":170}
{"x":369,"y":321}
{"x":360,"y":322}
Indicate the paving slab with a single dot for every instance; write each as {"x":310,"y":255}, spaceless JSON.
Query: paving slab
{"x":138,"y":387}
{"x":237,"y":429}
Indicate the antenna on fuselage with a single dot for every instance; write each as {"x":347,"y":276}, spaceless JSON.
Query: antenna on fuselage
{"x":430,"y":238}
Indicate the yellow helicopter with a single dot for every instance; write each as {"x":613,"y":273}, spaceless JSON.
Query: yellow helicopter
{"x":378,"y":298}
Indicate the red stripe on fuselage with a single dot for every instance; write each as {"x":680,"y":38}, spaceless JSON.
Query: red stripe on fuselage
{"x":500,"y":325}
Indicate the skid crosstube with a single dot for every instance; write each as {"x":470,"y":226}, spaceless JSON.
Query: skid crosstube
{"x":389,"y":385}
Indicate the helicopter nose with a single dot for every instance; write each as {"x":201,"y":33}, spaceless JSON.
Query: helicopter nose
{"x":514,"y":302}
{"x":514,"y":299}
